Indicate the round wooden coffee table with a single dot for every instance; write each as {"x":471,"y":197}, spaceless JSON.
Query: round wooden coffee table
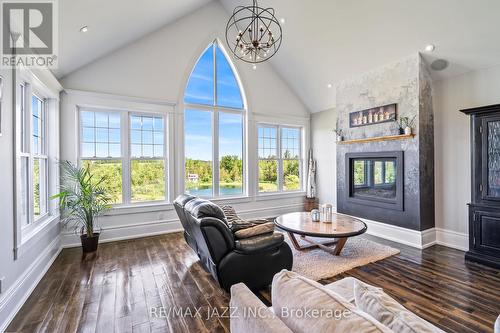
{"x":341,"y":228}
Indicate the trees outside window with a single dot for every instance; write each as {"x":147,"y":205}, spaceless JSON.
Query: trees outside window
{"x":279,"y":152}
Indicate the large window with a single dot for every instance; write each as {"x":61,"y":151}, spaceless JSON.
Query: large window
{"x":33,"y":154}
{"x":279,"y":152}
{"x":213,"y":128}
{"x":128,"y":150}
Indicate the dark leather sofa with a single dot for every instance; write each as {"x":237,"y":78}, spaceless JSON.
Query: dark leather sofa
{"x":253,"y":261}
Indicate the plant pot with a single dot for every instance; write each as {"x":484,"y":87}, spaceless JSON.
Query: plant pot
{"x":89,"y":244}
{"x":401,"y":131}
{"x":340,"y":138}
{"x":407,"y":130}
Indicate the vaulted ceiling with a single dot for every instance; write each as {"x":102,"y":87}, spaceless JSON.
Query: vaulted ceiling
{"x":325,"y":41}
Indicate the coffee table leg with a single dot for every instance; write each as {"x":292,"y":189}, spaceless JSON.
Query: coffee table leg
{"x":340,"y":245}
{"x":295,"y":244}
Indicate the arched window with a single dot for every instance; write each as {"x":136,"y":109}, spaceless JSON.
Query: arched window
{"x":213,"y":128}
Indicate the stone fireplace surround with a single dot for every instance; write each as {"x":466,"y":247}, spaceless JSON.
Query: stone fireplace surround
{"x":406,"y":83}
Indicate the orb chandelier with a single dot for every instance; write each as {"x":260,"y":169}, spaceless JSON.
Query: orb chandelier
{"x":253,"y":33}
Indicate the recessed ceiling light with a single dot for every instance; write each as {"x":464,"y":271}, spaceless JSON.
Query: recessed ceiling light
{"x":329,"y":85}
{"x":282,"y":20}
{"x":430,"y":48}
{"x":84,"y":28}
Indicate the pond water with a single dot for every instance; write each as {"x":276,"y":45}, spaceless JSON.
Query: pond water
{"x":206,"y":191}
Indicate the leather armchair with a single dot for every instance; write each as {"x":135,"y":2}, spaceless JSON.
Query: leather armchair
{"x":253,"y":261}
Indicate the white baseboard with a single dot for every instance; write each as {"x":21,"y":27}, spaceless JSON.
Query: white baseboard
{"x":22,"y":288}
{"x":453,"y":239}
{"x":128,"y":231}
{"x":419,"y":239}
{"x":396,"y":234}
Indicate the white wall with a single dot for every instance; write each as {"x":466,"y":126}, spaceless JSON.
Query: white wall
{"x":452,"y":142}
{"x":155,"y":70}
{"x":325,"y":152}
{"x":19,"y":274}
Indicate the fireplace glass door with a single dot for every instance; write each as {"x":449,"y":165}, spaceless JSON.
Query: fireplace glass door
{"x":375,"y":178}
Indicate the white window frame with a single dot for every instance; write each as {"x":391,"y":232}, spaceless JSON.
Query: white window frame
{"x":125,"y":149}
{"x":280,"y":159}
{"x":25,"y":84}
{"x":215,"y":111}
{"x":27,"y":151}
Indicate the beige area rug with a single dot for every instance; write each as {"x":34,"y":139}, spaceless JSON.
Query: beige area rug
{"x":317,"y":264}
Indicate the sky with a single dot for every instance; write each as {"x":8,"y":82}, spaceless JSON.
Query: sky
{"x":198,"y":124}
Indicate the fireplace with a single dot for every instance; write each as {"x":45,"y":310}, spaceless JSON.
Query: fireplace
{"x":375,"y":179}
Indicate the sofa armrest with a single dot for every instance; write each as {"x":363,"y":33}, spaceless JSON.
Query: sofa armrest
{"x":249,"y":314}
{"x":259,"y":243}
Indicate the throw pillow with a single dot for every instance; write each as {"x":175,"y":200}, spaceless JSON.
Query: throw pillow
{"x":259,"y":229}
{"x":245,"y":229}
{"x":305,"y":306}
{"x":389,"y":312}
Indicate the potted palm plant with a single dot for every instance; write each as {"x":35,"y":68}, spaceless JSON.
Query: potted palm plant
{"x":82,"y":200}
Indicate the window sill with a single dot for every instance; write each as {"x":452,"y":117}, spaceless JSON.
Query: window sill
{"x":279,"y":195}
{"x":34,"y":234}
{"x":139,"y":208}
{"x":231,"y":200}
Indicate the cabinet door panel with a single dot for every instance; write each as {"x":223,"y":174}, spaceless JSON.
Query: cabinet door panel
{"x":491,"y":159}
{"x":487,"y":233}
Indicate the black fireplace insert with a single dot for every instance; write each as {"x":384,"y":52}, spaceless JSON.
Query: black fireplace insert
{"x":375,"y":179}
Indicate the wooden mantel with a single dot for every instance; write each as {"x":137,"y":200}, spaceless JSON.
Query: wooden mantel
{"x":377,"y":138}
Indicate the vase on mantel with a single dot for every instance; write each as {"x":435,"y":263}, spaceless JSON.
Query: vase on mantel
{"x":407,"y":130}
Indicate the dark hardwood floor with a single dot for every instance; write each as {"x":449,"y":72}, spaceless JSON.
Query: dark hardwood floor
{"x":115,"y":289}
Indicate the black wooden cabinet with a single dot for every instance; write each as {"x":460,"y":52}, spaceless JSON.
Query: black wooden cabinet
{"x":484,"y":210}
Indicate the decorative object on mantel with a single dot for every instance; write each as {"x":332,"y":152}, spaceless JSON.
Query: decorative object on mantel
{"x":253,"y":34}
{"x":377,"y":115}
{"x":406,"y":125}
{"x":378,"y":138}
{"x":311,"y":201}
{"x":339,"y":133}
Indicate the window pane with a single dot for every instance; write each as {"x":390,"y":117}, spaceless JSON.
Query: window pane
{"x":148,"y":180}
{"x":359,"y":173}
{"x":25,"y":190}
{"x":378,"y":172}
{"x":87,"y":119}
{"x":291,"y":175}
{"x":146,"y":130}
{"x":267,"y":142}
{"x":228,"y":90}
{"x":200,"y":88}
{"x":39,"y":187}
{"x":198,"y":148}
{"x":111,"y":171}
{"x":231,"y":154}
{"x":38,"y":123}
{"x":100,"y":134}
{"x":268,"y":175}
{"x":390,"y":172}
{"x":290,"y":143}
